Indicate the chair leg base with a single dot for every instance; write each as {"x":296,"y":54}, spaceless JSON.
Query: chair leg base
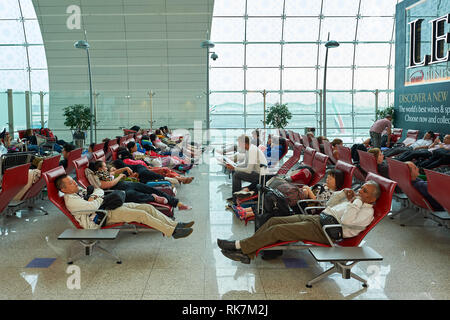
{"x":88,"y":248}
{"x":341,"y":268}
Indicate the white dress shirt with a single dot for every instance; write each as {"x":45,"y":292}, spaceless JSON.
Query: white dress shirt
{"x":354,"y":216}
{"x":74,"y":203}
{"x":254,"y":157}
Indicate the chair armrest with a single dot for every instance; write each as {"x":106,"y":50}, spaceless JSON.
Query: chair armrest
{"x":324,"y":228}
{"x":84,"y":211}
{"x":309,"y":200}
{"x":313,"y":208}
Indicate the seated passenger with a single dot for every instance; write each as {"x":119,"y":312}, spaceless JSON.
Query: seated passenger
{"x":427,"y":140}
{"x":147,"y":173}
{"x":31,"y":141}
{"x":135,"y":191}
{"x":334,"y":147}
{"x":65,"y":153}
{"x":426,"y":153}
{"x":353,"y":211}
{"x":422,"y":186}
{"x":274,"y":150}
{"x":382,"y":165}
{"x":129,"y":212}
{"x":88,"y":153}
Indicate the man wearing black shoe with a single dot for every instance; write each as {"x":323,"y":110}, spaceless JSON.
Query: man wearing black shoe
{"x":353,"y":212}
{"x":250,"y":169}
{"x":84,"y":211}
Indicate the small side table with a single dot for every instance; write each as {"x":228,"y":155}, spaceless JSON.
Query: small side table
{"x":343,"y":259}
{"x":90,"y":239}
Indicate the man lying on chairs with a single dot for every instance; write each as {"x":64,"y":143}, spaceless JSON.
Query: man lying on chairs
{"x":129,"y":212}
{"x":353,"y":212}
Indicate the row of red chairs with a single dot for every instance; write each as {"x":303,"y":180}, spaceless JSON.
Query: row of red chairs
{"x":400,"y":173}
{"x":15,"y":179}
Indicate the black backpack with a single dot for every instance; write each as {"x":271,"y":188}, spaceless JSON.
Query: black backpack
{"x":275,"y":205}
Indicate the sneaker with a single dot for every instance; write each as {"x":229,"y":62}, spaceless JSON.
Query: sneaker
{"x":239,"y":212}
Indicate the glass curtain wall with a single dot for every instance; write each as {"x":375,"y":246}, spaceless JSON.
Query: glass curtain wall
{"x":23,"y":64}
{"x":278,"y":46}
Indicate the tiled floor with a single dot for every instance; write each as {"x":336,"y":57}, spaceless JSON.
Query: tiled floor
{"x":415,"y":265}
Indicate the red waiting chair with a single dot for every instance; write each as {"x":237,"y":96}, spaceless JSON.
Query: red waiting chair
{"x":292,"y":160}
{"x":436,"y":181}
{"x":345,"y":154}
{"x":399,"y":172}
{"x":348,"y":170}
{"x":35,"y":191}
{"x":381,"y":208}
{"x":305,"y":141}
{"x":411,"y":137}
{"x":80,"y":165}
{"x":73,"y":155}
{"x":319,"y":166}
{"x":328,"y":150}
{"x":297,"y":137}
{"x":14,"y":179}
{"x":315,"y":144}
{"x":113,"y":149}
{"x":308,"y":156}
{"x":99,"y":155}
{"x":368,"y":162}
{"x":98,"y":146}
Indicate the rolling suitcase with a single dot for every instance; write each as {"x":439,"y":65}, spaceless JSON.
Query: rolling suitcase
{"x":271,"y":203}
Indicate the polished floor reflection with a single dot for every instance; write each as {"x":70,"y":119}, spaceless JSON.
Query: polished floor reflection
{"x":415,"y":264}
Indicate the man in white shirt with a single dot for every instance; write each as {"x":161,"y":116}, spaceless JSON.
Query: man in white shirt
{"x":249,"y":169}
{"x":427,"y":140}
{"x":84,"y":211}
{"x":353,"y":212}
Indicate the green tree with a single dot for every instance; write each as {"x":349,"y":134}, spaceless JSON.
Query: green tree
{"x":382,"y":113}
{"x":278,"y":116}
{"x":78,"y":117}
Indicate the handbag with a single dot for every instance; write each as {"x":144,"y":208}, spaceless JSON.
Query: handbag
{"x":334,"y":233}
{"x":113,"y":200}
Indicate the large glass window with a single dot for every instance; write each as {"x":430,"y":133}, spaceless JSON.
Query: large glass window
{"x":23,"y":64}
{"x":279,"y":46}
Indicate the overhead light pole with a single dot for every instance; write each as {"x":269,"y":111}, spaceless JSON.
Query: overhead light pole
{"x":328,"y":44}
{"x":208,"y":44}
{"x":83,"y":44}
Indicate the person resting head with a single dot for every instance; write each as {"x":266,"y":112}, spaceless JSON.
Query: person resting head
{"x":334,"y":182}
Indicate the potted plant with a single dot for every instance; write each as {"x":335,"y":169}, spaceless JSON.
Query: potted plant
{"x":382,"y":113}
{"x":278,"y":116}
{"x":78,"y":119}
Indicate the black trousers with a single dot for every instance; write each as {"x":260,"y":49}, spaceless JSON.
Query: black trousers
{"x":145,"y":175}
{"x":395,"y":151}
{"x":141,"y":193}
{"x":414,"y":154}
{"x":439,"y":157}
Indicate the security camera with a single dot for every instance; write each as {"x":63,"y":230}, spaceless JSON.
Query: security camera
{"x":214,"y":56}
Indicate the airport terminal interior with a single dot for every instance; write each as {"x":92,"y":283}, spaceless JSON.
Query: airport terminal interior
{"x":192,"y":125}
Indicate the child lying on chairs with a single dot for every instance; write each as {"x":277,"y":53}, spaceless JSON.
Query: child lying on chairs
{"x":84,"y":211}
